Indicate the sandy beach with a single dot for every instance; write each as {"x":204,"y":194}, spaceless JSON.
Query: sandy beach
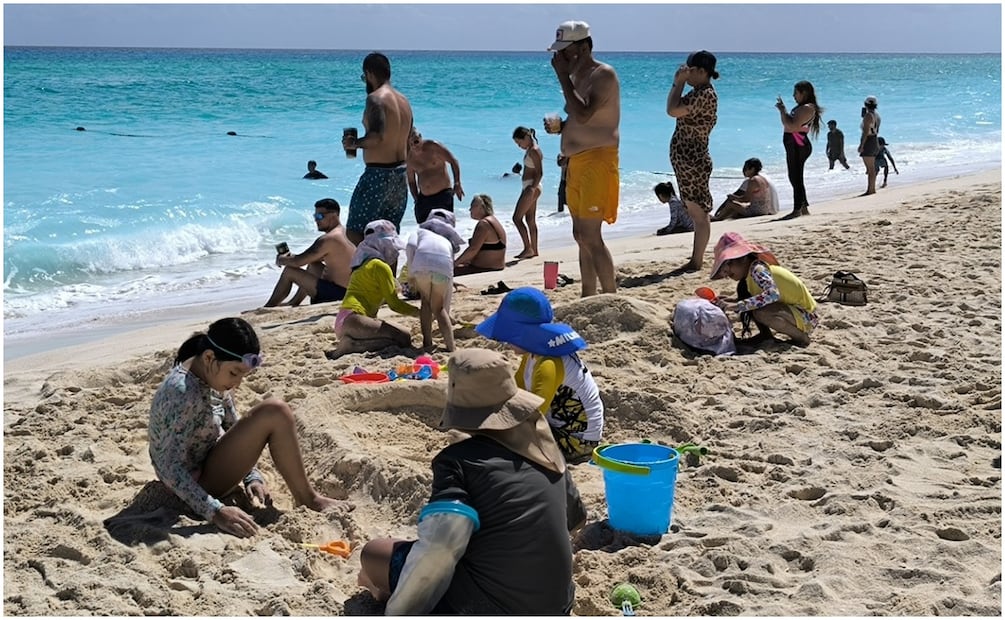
{"x":859,"y":476}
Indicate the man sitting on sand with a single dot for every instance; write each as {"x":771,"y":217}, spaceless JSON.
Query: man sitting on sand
{"x":427,"y":176}
{"x":327,"y":260}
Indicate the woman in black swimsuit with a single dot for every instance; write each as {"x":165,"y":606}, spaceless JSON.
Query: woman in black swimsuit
{"x":797,"y":126}
{"x":487,"y":246}
{"x":868,"y":145}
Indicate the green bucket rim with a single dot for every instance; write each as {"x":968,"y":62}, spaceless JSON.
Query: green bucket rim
{"x":617,"y":466}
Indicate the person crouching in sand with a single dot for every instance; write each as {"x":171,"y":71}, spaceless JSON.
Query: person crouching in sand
{"x":550,"y":368}
{"x":371,"y":284}
{"x":199,"y":447}
{"x":477,"y":554}
{"x":775,"y":298}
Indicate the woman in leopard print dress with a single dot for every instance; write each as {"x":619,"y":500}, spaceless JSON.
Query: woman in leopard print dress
{"x":696,"y":114}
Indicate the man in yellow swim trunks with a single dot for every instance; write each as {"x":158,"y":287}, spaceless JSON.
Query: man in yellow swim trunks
{"x":590,"y":140}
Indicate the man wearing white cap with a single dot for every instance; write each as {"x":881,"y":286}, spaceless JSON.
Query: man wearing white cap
{"x":590,"y":140}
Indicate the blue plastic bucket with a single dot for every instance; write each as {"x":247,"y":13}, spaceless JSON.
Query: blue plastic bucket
{"x":639,"y":480}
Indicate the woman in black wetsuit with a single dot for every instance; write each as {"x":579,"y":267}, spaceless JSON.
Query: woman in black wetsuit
{"x":804,"y":119}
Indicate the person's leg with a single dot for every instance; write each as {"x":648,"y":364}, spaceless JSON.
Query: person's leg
{"x":393,"y":197}
{"x":587,"y":274}
{"x":531,"y":218}
{"x":271,"y":423}
{"x":293,"y":275}
{"x":702,"y":231}
{"x":729,"y":209}
{"x":844,"y":162}
{"x":317,"y":270}
{"x":360,"y":206}
{"x":778,"y":317}
{"x":870,"y":169}
{"x":426,"y":320}
{"x":439,"y":300}
{"x":519,"y":220}
{"x":803,"y":154}
{"x":830,"y":161}
{"x":794,"y":173}
{"x":375,"y":567}
{"x":421,"y":283}
{"x":886,"y":172}
{"x":595,"y":261}
{"x":362,"y":333}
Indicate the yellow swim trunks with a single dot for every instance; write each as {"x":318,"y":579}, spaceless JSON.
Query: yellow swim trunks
{"x":592,"y":184}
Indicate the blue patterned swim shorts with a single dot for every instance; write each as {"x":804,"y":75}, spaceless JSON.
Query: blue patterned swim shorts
{"x":380,"y":194}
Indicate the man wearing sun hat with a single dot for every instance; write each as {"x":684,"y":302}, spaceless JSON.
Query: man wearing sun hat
{"x":590,"y":140}
{"x":551,"y":368}
{"x":494,"y":537}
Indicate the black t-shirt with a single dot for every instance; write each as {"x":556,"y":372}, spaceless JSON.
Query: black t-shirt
{"x":315,"y":174}
{"x":520,"y":561}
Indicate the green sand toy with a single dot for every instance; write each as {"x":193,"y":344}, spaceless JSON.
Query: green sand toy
{"x":625,"y":597}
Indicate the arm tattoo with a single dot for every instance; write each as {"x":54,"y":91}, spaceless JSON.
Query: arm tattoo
{"x":375,"y":118}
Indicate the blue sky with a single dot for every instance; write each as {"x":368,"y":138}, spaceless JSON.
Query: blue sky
{"x":789,"y":27}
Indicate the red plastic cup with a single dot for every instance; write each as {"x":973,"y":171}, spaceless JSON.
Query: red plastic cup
{"x":550,"y":274}
{"x":706,"y":293}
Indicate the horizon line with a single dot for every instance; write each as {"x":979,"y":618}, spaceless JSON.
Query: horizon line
{"x":468,"y":51}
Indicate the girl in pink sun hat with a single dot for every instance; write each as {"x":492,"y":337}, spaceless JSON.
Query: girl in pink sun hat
{"x":774,"y":297}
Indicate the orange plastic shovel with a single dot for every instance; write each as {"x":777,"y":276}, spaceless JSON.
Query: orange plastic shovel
{"x":334,"y":547}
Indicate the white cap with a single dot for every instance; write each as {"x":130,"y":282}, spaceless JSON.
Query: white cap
{"x":870,"y":100}
{"x":569,"y":33}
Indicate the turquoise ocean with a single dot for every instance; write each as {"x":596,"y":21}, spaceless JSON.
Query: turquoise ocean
{"x":156,"y":208}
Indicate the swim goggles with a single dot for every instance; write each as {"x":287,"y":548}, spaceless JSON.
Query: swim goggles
{"x":251,"y":360}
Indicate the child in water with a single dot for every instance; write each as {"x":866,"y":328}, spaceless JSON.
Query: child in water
{"x":550,"y":368}
{"x":775,"y":298}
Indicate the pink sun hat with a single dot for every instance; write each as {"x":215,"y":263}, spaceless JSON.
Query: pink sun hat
{"x":732,"y":245}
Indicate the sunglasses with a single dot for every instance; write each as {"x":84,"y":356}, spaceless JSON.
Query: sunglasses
{"x":362,"y":76}
{"x":251,"y":360}
{"x":320,"y":216}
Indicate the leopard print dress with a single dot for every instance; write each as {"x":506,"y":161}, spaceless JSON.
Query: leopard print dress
{"x":689,"y":156}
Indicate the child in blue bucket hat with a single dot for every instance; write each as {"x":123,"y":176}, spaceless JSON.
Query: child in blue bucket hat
{"x":550,"y":368}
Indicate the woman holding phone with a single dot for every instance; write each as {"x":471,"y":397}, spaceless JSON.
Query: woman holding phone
{"x":803,"y":120}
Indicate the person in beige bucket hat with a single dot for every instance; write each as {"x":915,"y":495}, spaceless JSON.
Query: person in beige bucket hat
{"x":494,"y":537}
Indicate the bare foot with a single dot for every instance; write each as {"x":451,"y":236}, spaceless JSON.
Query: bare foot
{"x":320,"y":503}
{"x":688,"y":267}
{"x":867,"y":194}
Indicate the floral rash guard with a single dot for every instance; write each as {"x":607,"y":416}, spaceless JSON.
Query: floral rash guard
{"x":187,"y":418}
{"x":766,"y":292}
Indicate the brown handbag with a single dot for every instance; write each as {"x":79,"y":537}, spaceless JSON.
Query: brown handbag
{"x":847,"y":288}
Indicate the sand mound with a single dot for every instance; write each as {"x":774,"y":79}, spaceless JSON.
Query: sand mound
{"x":858,"y":476}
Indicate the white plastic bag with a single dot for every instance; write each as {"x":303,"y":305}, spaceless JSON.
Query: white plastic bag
{"x":702,"y":325}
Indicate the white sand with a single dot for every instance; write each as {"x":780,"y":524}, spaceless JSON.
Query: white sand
{"x":854,"y":477}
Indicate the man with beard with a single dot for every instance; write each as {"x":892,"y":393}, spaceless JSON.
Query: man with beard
{"x":427,"y":176}
{"x":381,"y":192}
{"x":590,"y":140}
{"x":327,"y":261}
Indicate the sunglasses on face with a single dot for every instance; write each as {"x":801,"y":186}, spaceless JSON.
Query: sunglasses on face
{"x":320,"y":216}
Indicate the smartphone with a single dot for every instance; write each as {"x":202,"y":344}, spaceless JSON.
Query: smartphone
{"x":282,"y":248}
